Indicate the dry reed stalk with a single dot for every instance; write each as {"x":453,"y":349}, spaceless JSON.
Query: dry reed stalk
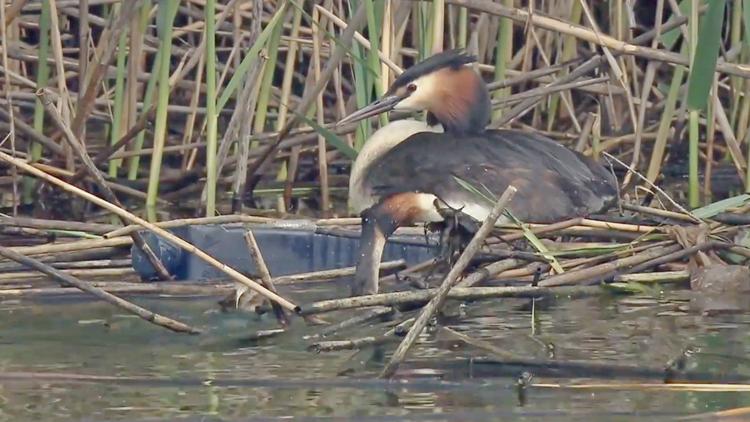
{"x":86,"y":272}
{"x":38,"y":223}
{"x":90,"y":264}
{"x":489,"y":271}
{"x":457,"y":293}
{"x":603,"y":270}
{"x":80,"y":245}
{"x":325,"y":196}
{"x":327,"y":275}
{"x":166,"y":288}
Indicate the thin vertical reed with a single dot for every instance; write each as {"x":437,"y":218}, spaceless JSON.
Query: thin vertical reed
{"x":148,"y":96}
{"x":322,"y":159}
{"x":166,"y":14}
{"x":211,"y":115}
{"x":438,"y":24}
{"x":503,"y":55}
{"x":665,"y":124}
{"x":705,"y":53}
{"x":463,"y":27}
{"x":42,"y":78}
{"x":116,"y":131}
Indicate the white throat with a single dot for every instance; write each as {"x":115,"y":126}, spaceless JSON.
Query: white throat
{"x":382,"y":141}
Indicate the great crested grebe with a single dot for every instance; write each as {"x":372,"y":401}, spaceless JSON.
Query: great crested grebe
{"x":407,"y":171}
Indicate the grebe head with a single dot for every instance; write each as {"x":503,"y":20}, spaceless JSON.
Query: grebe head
{"x":451,"y":92}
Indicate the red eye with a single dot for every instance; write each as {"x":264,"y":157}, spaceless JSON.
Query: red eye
{"x":411,"y":87}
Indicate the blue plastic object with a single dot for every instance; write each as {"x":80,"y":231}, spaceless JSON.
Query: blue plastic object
{"x":286,"y":251}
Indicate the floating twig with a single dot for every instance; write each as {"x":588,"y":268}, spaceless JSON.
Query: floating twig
{"x":456,"y":293}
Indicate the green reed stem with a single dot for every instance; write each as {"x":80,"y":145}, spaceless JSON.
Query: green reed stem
{"x":211,"y":114}
{"x":704,"y":55}
{"x":693,"y":191}
{"x":665,"y":124}
{"x":148,"y":97}
{"x":165,"y":18}
{"x":264,"y":95}
{"x":117,"y":112}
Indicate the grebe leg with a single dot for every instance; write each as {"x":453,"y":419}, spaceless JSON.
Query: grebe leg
{"x":377,"y":226}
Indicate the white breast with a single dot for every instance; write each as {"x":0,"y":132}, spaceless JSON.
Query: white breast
{"x":385,"y":138}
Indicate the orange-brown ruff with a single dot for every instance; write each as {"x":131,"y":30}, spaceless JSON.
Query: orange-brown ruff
{"x":406,"y":176}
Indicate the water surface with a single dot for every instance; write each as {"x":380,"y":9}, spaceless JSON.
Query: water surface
{"x":50,"y":349}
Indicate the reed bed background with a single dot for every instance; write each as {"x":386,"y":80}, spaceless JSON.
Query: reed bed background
{"x":197,"y":107}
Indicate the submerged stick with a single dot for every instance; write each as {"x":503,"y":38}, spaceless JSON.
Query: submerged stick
{"x":231,"y":272}
{"x":60,"y":276}
{"x":359,"y":343}
{"x":361,"y":318}
{"x":442,"y":293}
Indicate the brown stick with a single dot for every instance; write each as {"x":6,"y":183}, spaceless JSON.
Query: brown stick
{"x":231,"y":272}
{"x":442,"y":293}
{"x":265,"y":275}
{"x":38,"y":223}
{"x":170,"y":288}
{"x":674,"y":256}
{"x":489,"y":271}
{"x":77,"y":147}
{"x":60,"y":276}
{"x":456,"y":293}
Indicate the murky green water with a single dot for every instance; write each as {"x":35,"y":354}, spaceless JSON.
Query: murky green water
{"x":158,"y":375}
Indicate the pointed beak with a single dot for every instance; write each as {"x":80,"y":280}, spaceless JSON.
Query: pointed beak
{"x":380,"y":106}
